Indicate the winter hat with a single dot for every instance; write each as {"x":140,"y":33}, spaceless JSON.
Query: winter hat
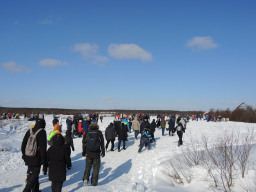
{"x":56,"y":127}
{"x":41,"y":116}
{"x":94,"y":121}
{"x":40,"y":123}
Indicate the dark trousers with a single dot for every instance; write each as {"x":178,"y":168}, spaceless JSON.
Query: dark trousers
{"x":163,"y":131}
{"x":56,"y":186}
{"x":95,"y":164}
{"x":33,"y":181}
{"x":136,"y":132}
{"x":144,"y":142}
{"x":112,"y":144}
{"x":119,"y":143}
{"x":180,"y":134}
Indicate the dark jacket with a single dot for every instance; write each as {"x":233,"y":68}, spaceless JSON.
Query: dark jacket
{"x":144,"y":124}
{"x":171,"y":124}
{"x":69,"y":141}
{"x":85,"y":125}
{"x":117,"y":125}
{"x":41,"y":139}
{"x":153,"y":126}
{"x":110,"y":132}
{"x":69,"y":124}
{"x":95,"y":154}
{"x":122,"y":132}
{"x":58,"y":159}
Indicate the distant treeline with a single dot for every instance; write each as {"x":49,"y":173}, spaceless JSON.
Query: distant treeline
{"x":79,"y":111}
{"x":247,"y":114}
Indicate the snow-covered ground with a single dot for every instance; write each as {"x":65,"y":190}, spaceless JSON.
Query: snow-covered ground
{"x":120,"y":171}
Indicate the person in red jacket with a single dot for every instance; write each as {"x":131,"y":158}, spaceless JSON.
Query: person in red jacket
{"x":80,"y":129}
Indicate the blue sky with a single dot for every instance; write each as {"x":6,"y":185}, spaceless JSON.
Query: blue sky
{"x":147,"y":54}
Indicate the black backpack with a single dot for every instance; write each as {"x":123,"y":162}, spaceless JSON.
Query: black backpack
{"x":92,"y":141}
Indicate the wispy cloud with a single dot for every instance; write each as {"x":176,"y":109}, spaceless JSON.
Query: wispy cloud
{"x":201,"y":43}
{"x":90,"y":51}
{"x":49,"y":20}
{"x":46,"y":22}
{"x":128,"y":51}
{"x":14,"y":68}
{"x":51,"y":62}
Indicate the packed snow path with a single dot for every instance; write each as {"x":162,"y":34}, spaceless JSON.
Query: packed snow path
{"x":122,"y":171}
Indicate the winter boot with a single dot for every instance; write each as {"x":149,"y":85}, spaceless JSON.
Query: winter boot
{"x":124,"y":148}
{"x":85,"y":182}
{"x":28,"y":175}
{"x":119,"y":149}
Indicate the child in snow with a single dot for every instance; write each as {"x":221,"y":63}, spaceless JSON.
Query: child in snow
{"x":57,"y":161}
{"x":180,"y":130}
{"x":145,"y":138}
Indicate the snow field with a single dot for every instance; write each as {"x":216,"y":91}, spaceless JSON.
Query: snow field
{"x":120,"y":171}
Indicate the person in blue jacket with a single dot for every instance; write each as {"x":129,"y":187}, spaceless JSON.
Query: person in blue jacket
{"x":85,"y":125}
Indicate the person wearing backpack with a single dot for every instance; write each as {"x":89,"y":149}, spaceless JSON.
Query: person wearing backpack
{"x":93,"y":147}
{"x":58,"y":160}
{"x":33,"y":150}
{"x":180,"y":130}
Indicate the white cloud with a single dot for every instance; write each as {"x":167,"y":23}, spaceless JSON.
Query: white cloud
{"x":128,"y":51}
{"x":14,"y":68}
{"x":201,"y":43}
{"x":90,"y":51}
{"x":51,"y":63}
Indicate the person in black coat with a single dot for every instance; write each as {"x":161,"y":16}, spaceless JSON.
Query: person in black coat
{"x":69,"y":144}
{"x":58,"y":160}
{"x":55,"y":121}
{"x":153,"y":129}
{"x":171,"y":126}
{"x":117,"y":125}
{"x":34,"y":163}
{"x":180,"y":130}
{"x":110,"y":136}
{"x":144,"y":124}
{"x":122,"y":136}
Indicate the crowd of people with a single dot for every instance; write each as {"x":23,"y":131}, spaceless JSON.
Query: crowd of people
{"x":56,"y":160}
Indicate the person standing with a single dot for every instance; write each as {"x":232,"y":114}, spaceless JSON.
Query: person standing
{"x":163,"y":125}
{"x":136,"y":126}
{"x":93,"y":148}
{"x":34,"y":162}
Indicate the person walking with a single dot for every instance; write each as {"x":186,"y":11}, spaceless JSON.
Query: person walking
{"x":93,"y":148}
{"x":39,"y":158}
{"x":58,"y":160}
{"x":110,"y":136}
